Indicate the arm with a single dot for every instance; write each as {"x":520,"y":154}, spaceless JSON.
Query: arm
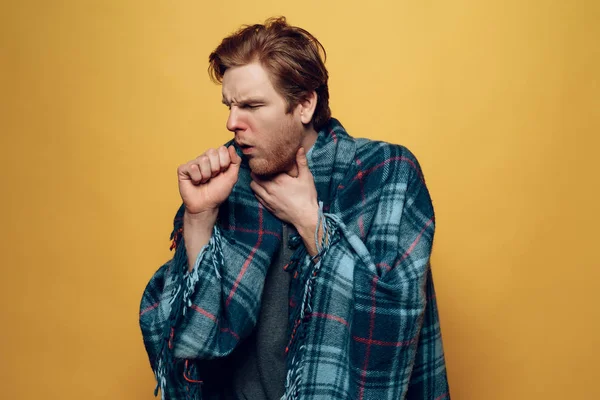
{"x":372,"y":285}
{"x":372,"y":273}
{"x":204,"y":184}
{"x":219,"y":297}
{"x":197,"y":230}
{"x":199,"y":307}
{"x":396,"y":341}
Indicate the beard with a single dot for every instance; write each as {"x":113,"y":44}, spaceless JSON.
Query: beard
{"x":279,"y":155}
{"x":275,"y":165}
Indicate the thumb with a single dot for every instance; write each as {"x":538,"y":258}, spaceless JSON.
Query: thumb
{"x":236,"y":160}
{"x":233,"y":169}
{"x":301,"y":161}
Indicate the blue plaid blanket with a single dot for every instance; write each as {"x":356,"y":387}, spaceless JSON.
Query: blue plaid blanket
{"x":363,"y":317}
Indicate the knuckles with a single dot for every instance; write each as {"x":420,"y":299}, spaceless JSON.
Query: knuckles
{"x":184,"y":168}
{"x":211,"y":152}
{"x":215,"y":159}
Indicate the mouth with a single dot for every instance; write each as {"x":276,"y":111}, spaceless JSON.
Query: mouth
{"x":246,"y":149}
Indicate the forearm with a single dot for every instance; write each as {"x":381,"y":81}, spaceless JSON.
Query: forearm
{"x":197,"y":230}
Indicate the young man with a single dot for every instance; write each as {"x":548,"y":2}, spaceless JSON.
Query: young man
{"x":301,"y":268}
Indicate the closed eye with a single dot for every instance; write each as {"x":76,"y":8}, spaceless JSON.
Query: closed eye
{"x":243,"y":105}
{"x":249,"y":106}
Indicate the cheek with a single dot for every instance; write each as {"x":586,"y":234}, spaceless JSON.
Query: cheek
{"x":246,"y":121}
{"x":259,"y":125}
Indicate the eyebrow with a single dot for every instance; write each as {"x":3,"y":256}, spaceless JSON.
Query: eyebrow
{"x":250,"y":100}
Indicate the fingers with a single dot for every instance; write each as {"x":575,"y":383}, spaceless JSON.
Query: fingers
{"x":224,"y":158}
{"x":193,"y":171}
{"x":258,"y":189}
{"x":214,"y":162}
{"x":261,"y":195}
{"x":189,"y":172}
{"x":206,"y":166}
{"x":203,"y":163}
{"x":261,"y":190}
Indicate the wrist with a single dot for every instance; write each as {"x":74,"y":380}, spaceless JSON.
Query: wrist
{"x":197,"y":230}
{"x":308,"y":223}
{"x":201,"y":218}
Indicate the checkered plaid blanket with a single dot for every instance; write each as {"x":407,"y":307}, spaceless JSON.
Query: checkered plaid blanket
{"x":363,"y":321}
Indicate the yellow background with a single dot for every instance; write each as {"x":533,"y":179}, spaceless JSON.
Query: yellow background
{"x":101,"y":100}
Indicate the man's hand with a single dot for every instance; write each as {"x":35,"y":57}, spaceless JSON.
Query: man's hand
{"x":292,"y":199}
{"x":207,"y":181}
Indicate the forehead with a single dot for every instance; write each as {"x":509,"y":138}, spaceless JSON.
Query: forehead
{"x":249,"y":80}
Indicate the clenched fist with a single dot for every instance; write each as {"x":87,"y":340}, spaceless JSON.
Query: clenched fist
{"x":207,"y":181}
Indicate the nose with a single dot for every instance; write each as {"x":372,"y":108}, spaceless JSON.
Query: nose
{"x":233,"y":121}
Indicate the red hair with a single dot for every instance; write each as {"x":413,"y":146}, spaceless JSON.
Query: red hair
{"x":290,"y":55}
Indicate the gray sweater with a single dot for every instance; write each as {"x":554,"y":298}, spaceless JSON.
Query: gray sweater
{"x":259,"y":363}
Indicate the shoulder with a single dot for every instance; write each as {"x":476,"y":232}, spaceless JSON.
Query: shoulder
{"x":393,"y":173}
{"x":386,"y":161}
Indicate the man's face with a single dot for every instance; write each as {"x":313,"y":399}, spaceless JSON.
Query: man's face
{"x":266,"y":134}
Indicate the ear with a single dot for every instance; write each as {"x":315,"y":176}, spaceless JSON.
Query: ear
{"x":307,"y":108}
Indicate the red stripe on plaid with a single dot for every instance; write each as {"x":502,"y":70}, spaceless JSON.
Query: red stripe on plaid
{"x":250,"y":256}
{"x":152,"y":307}
{"x":232,"y":333}
{"x":246,"y":230}
{"x":185,"y":374}
{"x":203,"y":312}
{"x":214,"y":319}
{"x":369,"y":342}
{"x":384,"y":265}
{"x":415,"y":242}
{"x":361,"y":226}
{"x":331,"y":317}
{"x":442,"y":396}
{"x":389,"y":160}
{"x":382,"y":343}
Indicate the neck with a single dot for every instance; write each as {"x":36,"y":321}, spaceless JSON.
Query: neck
{"x":309,"y":139}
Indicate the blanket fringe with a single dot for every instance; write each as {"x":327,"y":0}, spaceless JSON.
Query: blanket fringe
{"x":185,"y":284}
{"x":328,"y":224}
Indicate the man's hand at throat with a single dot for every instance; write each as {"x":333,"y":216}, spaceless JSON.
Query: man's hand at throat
{"x":292,"y":199}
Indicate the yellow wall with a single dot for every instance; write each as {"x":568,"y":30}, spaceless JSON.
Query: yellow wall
{"x":101,"y":100}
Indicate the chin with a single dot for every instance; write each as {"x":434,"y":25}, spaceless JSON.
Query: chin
{"x":265,"y":168}
{"x":264,"y":171}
